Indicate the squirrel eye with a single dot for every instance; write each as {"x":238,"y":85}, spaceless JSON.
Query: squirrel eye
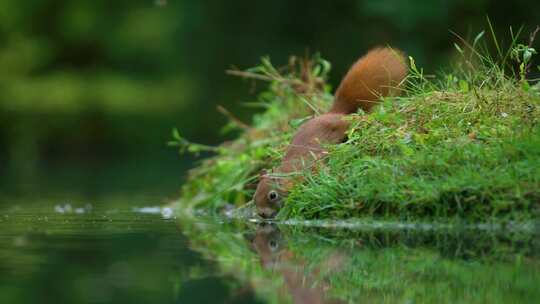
{"x":273,"y":195}
{"x":273,"y":245}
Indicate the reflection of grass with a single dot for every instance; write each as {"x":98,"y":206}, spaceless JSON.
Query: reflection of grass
{"x":466,"y":145}
{"x":429,"y":267}
{"x":379,"y":267}
{"x":404,"y":274}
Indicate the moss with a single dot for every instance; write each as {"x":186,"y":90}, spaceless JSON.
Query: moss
{"x":464,"y":145}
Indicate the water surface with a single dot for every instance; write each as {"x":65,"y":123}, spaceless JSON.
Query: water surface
{"x":84,"y":252}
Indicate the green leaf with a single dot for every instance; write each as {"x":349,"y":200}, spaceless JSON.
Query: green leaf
{"x":463,"y":86}
{"x":295,"y":123}
{"x":527,"y":54}
{"x":176,"y":134}
{"x":316,"y":70}
{"x":458,"y":48}
{"x":478,"y":37}
{"x":525,"y":86}
{"x":413,"y":65}
{"x":326,"y":66}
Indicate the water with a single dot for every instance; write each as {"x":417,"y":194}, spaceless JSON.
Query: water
{"x":84,"y":252}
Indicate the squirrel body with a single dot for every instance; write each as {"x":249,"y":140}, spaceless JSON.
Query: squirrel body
{"x":374,"y":75}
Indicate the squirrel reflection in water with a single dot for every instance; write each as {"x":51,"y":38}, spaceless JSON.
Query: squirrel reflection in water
{"x":306,"y":284}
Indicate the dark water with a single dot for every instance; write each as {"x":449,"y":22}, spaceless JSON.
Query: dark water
{"x":79,"y":252}
{"x":73,"y":254}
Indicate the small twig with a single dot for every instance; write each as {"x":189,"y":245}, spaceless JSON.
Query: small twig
{"x":533,"y":35}
{"x":245,"y":74}
{"x":233,"y":118}
{"x":531,"y":41}
{"x":251,"y":75}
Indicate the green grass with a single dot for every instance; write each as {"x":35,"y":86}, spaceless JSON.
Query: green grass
{"x":462,"y":145}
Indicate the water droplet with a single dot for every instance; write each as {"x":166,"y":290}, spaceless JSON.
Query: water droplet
{"x":167,"y":212}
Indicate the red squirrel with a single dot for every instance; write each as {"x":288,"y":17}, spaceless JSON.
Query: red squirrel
{"x":374,"y":75}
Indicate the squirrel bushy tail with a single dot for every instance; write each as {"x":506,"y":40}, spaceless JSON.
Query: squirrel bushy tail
{"x":372,"y":76}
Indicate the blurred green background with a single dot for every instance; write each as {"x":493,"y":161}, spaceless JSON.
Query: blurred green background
{"x":90,"y":90}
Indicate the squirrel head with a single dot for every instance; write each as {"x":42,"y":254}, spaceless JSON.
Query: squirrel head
{"x":268,"y":196}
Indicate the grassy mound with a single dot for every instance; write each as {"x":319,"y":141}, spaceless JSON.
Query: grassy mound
{"x":464,"y":145}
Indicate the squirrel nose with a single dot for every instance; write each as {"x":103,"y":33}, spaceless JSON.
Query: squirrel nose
{"x":267,"y":213}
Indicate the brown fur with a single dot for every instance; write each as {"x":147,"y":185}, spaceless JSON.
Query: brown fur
{"x":374,"y":75}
